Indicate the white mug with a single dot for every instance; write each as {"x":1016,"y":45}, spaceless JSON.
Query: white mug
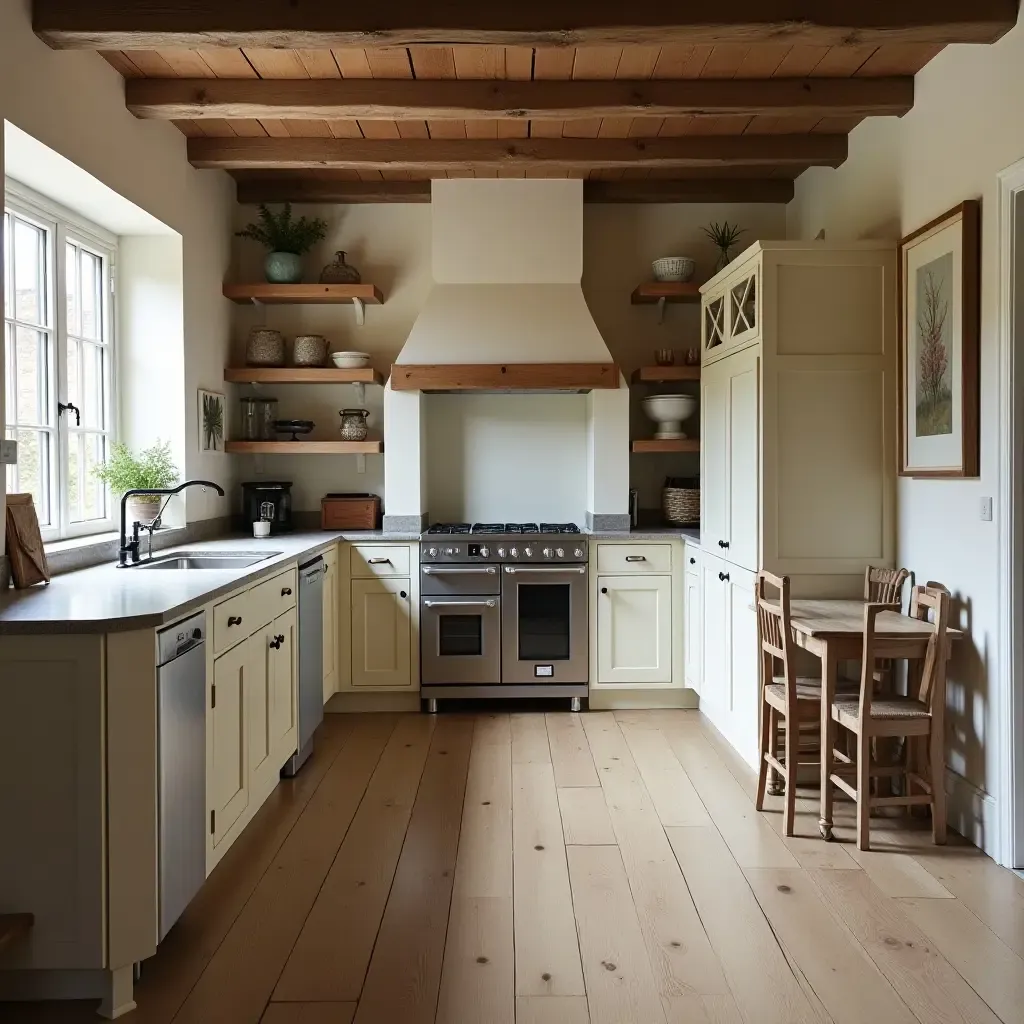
{"x":261,"y":528}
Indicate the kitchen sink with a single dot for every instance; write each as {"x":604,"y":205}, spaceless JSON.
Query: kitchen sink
{"x":207,"y":560}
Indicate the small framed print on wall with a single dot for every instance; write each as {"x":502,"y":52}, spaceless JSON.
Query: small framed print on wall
{"x":940,"y":324}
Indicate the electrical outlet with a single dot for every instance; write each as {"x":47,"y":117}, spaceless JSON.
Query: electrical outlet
{"x":8,"y":453}
{"x":986,"y":510}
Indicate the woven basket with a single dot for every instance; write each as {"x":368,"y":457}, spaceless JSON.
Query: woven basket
{"x":681,"y":505}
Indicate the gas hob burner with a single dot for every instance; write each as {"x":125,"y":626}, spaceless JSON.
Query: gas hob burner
{"x":521,"y":528}
{"x":449,"y":528}
{"x":488,"y":528}
{"x":559,"y":528}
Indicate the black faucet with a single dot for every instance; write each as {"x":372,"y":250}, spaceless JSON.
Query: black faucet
{"x":131,"y":547}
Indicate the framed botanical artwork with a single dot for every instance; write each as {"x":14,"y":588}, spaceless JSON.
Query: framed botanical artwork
{"x":211,"y":421}
{"x":940,"y":321}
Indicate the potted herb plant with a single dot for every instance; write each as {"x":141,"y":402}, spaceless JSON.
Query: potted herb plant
{"x":724,"y":236}
{"x":287,"y":240}
{"x":151,"y":468}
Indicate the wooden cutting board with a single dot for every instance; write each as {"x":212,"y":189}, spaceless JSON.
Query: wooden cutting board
{"x":25,"y":543}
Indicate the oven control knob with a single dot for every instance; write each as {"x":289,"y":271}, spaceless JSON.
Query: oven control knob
{"x":432,"y":552}
{"x":501,"y":552}
{"x":528,"y":552}
{"x":560,"y":553}
{"x":547,"y":552}
{"x":484,"y":552}
{"x":514,"y":552}
{"x":578,"y":552}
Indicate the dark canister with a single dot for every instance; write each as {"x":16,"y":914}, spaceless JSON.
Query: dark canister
{"x":270,"y":501}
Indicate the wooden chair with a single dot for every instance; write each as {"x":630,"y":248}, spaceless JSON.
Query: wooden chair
{"x":884,"y":586}
{"x":795,"y":699}
{"x":920,"y":714}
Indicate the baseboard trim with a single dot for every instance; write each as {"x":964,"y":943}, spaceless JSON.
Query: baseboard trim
{"x":642,"y":700}
{"x":972,"y":812}
{"x":362,"y":703}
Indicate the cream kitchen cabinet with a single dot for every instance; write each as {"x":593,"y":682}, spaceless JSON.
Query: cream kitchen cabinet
{"x":237,"y":700}
{"x":692,"y":620}
{"x":330,"y":622}
{"x":381,"y":634}
{"x":634,"y":630}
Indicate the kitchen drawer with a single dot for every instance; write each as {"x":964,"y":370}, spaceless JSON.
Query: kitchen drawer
{"x":275,"y":596}
{"x":624,"y":558}
{"x":234,"y":620}
{"x":379,"y":560}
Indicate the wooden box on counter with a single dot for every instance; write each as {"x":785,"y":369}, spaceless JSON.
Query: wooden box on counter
{"x":350,"y":511}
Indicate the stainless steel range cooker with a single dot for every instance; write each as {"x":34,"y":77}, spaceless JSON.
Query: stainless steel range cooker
{"x":503,"y":611}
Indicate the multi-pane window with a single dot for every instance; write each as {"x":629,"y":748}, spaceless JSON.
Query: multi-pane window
{"x":59,"y":363}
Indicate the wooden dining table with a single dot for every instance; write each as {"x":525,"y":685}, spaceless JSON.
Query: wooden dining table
{"x":833,"y":630}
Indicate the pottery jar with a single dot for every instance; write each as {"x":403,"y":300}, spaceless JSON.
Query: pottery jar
{"x":340,"y":272}
{"x":283,"y":268}
{"x":265,"y":347}
{"x":353,"y":424}
{"x":309,"y":350}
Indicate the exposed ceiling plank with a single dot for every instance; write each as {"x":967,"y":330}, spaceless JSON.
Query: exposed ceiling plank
{"x":151,"y":24}
{"x":700,"y":190}
{"x":170,"y":98}
{"x":467,"y":154}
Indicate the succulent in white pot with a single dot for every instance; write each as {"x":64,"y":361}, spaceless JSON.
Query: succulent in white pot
{"x":287,"y":239}
{"x":152,"y":468}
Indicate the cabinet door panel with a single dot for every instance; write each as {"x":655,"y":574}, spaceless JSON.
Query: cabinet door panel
{"x":258,"y":684}
{"x":714,"y":637}
{"x":743,"y":461}
{"x":692,"y":632}
{"x":714,"y":412}
{"x":282,"y":687}
{"x":743,"y":672}
{"x":634,"y":630}
{"x":330,"y":624}
{"x":381,"y":633}
{"x":229,"y":767}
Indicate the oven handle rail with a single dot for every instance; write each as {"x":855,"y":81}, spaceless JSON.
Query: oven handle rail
{"x":560,"y":569}
{"x":442,"y":570}
{"x":490,"y":602}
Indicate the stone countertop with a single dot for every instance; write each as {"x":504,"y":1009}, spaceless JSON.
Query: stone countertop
{"x":687,"y":533}
{"x":106,"y":599}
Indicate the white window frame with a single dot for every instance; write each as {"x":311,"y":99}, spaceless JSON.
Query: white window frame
{"x":63,"y":226}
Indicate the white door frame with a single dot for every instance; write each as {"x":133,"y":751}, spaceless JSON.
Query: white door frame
{"x":1009,"y":691}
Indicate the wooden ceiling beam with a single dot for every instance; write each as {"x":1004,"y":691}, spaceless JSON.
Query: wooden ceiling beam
{"x":696,"y":190}
{"x":309,"y":24}
{"x":291,"y":99}
{"x":428,"y":155}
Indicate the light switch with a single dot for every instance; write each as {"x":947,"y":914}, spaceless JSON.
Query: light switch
{"x":986,"y":510}
{"x":8,"y":453}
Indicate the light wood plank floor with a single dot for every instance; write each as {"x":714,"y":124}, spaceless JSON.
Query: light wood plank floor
{"x":607,"y":868}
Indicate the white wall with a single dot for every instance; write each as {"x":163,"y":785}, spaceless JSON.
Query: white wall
{"x":391,"y":245}
{"x":73,"y":102}
{"x":967,"y":124}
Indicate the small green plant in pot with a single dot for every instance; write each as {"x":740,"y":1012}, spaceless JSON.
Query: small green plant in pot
{"x":287,"y":238}
{"x":151,"y":468}
{"x":724,"y":236}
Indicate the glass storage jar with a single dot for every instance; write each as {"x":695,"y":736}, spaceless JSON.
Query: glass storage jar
{"x":258,"y":415}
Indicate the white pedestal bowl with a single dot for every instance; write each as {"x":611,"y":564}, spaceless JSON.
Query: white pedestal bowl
{"x":670,"y":412}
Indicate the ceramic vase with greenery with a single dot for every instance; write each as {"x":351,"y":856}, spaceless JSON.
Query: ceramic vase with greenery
{"x":287,"y":239}
{"x":724,"y":236}
{"x":151,"y":468}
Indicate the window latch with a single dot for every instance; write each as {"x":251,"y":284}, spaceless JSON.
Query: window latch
{"x":63,"y":407}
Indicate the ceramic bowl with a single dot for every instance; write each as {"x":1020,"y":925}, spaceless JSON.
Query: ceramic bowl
{"x":350,"y":360}
{"x":669,"y":412}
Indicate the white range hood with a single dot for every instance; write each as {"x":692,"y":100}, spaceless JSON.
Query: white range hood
{"x":507,"y":264}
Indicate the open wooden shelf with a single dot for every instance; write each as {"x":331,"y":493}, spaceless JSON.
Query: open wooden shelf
{"x":311,"y":294}
{"x":656,"y":444}
{"x":301,"y":375}
{"x":504,"y":376}
{"x":664,"y":374}
{"x":670,"y":291}
{"x":305,"y":447}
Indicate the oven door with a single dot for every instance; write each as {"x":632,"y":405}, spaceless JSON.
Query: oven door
{"x":545,"y":627}
{"x":460,"y":640}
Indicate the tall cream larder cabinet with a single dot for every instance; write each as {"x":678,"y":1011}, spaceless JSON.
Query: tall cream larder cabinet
{"x":798,"y":444}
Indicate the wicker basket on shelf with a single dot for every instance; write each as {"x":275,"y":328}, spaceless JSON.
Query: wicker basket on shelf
{"x":680,"y":501}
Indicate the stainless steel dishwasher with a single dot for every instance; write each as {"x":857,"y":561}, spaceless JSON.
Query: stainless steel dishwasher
{"x":311,"y":660}
{"x":181,"y":730}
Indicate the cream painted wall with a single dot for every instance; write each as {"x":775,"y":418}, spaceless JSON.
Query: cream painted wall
{"x":73,"y":102}
{"x":391,"y":245}
{"x":967,"y":124}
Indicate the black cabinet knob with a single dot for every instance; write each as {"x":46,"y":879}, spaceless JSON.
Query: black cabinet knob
{"x":724,"y":543}
{"x":402,"y":594}
{"x":693,"y":561}
{"x":723,"y":576}
{"x":604,"y":590}
{"x":286,"y":591}
{"x":234,"y":620}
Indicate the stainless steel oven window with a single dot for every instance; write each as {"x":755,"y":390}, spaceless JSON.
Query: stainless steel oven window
{"x":545,"y":621}
{"x":460,"y":636}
